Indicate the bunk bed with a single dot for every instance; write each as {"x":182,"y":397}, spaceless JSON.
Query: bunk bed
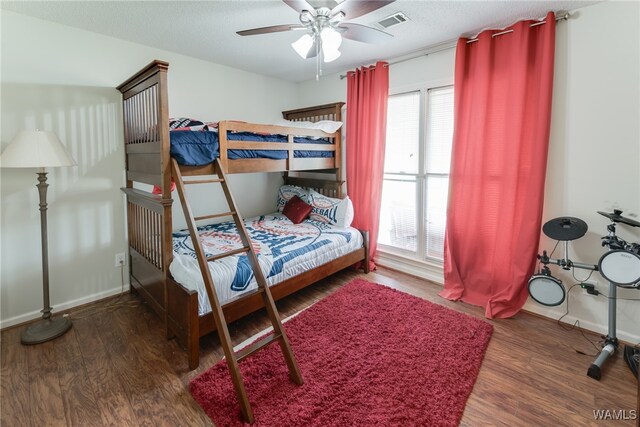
{"x":149,"y":216}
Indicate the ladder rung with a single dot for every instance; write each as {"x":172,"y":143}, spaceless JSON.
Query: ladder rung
{"x":226,"y":254}
{"x":200,"y":218}
{"x":203,"y":181}
{"x":257,"y":346}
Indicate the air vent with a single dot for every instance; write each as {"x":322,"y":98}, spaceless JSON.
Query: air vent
{"x":393,"y":20}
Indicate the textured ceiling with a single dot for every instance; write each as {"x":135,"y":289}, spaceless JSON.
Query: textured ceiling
{"x":207,"y":29}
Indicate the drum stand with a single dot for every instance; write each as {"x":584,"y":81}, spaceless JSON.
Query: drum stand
{"x":610,"y":341}
{"x":610,"y":344}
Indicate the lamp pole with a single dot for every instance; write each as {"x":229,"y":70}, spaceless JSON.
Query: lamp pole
{"x":42,"y":191}
{"x":48,"y":328}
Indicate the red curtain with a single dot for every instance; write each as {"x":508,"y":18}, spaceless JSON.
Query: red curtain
{"x":503,"y":88}
{"x":367,"y":93}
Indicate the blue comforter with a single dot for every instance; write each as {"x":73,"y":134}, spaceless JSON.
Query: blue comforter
{"x":201,"y":148}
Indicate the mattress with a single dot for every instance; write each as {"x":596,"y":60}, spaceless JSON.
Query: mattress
{"x":284,"y":250}
{"x":201,"y":148}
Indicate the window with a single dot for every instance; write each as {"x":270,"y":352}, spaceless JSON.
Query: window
{"x":416,"y":178}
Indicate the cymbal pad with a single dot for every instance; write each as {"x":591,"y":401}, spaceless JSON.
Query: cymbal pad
{"x":616,"y":216}
{"x":565,"y":228}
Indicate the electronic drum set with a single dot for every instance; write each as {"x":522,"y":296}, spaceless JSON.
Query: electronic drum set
{"x":620,"y":265}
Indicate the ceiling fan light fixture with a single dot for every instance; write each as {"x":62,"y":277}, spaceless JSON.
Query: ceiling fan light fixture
{"x":331,"y":39}
{"x":330,"y":55}
{"x":303,"y":45}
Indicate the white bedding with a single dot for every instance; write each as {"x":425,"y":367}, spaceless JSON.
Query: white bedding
{"x":284,"y":250}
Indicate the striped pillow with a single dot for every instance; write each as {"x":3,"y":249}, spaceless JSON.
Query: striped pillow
{"x":329,"y":210}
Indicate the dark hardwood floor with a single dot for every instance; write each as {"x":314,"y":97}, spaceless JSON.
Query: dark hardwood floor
{"x":115,"y":368}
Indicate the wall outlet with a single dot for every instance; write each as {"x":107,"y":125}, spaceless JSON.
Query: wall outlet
{"x":120,"y":259}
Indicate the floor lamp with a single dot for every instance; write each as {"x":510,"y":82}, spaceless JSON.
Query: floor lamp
{"x":40,"y":149}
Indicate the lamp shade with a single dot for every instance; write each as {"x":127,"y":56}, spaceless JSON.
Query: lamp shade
{"x":303,"y":45}
{"x":35,"y":149}
{"x":331,"y":40}
{"x":330,"y":55}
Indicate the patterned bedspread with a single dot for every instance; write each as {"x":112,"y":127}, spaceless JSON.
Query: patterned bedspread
{"x":284,"y":250}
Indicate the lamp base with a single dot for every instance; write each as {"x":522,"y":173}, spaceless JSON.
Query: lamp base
{"x":45,"y":330}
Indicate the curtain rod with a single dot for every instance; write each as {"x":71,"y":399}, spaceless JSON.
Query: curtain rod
{"x":565,"y":16}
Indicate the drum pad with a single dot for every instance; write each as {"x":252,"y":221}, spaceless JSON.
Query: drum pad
{"x":565,"y":228}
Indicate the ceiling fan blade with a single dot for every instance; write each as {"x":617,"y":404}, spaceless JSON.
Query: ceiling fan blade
{"x":362,"y":33}
{"x":271,"y":29}
{"x":300,"y":5}
{"x":354,"y":8}
{"x":329,"y":4}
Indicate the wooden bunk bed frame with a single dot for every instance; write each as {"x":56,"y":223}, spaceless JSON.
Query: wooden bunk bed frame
{"x":149,"y":216}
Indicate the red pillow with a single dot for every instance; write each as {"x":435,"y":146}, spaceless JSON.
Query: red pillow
{"x":296,"y":210}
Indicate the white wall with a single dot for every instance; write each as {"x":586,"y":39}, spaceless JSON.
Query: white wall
{"x":434,"y":68}
{"x":594,"y":154}
{"x":63,"y":79}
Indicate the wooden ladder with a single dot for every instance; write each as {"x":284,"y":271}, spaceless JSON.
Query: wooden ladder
{"x":221,"y":325}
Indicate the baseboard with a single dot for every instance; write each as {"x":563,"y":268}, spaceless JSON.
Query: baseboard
{"x":584,"y":324}
{"x":424,"y":270}
{"x":27,"y":317}
{"x":434,"y":273}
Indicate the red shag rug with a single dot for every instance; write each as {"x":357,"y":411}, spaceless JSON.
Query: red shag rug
{"x":369,"y":356}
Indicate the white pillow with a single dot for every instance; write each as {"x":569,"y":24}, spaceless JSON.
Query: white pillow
{"x":328,"y":126}
{"x":329,"y":210}
{"x":286,"y":192}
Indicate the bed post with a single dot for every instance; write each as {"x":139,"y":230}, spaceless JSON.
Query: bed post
{"x":222,"y":142}
{"x":338,"y":141}
{"x":165,"y":158}
{"x":365,"y":243}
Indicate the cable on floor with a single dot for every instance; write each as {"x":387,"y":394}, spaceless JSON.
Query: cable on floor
{"x":576,"y":325}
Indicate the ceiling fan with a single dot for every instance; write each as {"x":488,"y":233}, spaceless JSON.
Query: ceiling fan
{"x":325,"y":26}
